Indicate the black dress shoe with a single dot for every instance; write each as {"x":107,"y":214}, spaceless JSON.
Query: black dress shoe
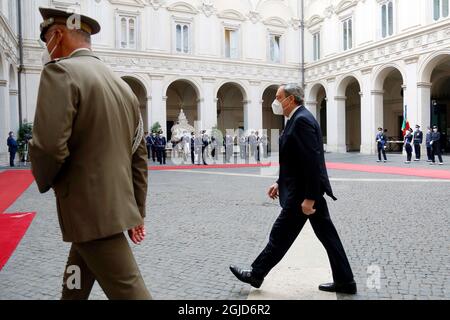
{"x":247,"y":276}
{"x":348,"y":288}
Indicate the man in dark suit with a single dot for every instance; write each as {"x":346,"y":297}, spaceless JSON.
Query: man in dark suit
{"x":12,"y":148}
{"x":302,"y":183}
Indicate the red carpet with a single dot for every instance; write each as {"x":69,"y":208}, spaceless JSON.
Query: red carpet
{"x":12,"y":229}
{"x":12,"y":184}
{"x":411,"y":171}
{"x":12,"y":226}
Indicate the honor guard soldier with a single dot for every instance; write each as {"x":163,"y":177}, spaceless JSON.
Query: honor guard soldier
{"x":381,"y":144}
{"x":161,"y":143}
{"x":417,"y":140}
{"x":88,"y":146}
{"x":428,"y":144}
{"x":436,"y":146}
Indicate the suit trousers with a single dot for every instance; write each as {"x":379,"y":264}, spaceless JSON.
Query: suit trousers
{"x":110,"y":262}
{"x":287,"y":228}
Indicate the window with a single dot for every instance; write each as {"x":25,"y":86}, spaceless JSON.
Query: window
{"x":128,"y":32}
{"x":387,"y":19}
{"x":275,"y":48}
{"x":316,"y":44}
{"x":231,"y":44}
{"x":440,"y":9}
{"x":347,"y":26}
{"x":182,"y":38}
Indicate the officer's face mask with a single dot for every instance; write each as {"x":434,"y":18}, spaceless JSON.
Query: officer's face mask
{"x":277,"y":107}
{"x":46,"y":54}
{"x":435,"y":130}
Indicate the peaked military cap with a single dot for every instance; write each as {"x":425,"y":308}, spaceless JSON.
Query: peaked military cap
{"x":55,"y":16}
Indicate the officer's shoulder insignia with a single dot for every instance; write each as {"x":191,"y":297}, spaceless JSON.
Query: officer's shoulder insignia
{"x":57,"y":60}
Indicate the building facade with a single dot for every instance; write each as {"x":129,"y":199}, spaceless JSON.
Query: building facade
{"x":368,"y":59}
{"x":9,"y":62}
{"x":219,"y":61}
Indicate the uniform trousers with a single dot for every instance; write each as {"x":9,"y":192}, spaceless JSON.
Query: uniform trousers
{"x":108,"y":261}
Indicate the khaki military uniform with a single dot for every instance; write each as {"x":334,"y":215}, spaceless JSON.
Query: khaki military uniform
{"x":82,"y":147}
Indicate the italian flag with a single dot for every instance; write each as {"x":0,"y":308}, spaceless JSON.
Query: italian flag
{"x":405,"y":125}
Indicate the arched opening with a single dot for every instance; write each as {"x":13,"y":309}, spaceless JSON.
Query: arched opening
{"x":230,"y":107}
{"x":393,"y":107}
{"x":270,"y":120}
{"x":181,"y":95}
{"x":440,"y":100}
{"x":141,"y":93}
{"x":353,"y":116}
{"x":319,"y":95}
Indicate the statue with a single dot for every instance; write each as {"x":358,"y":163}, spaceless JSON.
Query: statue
{"x":181,"y":137}
{"x":181,"y":128}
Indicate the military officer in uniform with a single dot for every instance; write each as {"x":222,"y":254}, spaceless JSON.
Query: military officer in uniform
{"x":100,"y":188}
{"x":417,"y":141}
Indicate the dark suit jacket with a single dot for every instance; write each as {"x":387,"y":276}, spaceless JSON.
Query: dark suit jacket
{"x":303,"y":174}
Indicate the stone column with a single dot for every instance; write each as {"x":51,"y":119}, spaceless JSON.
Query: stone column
{"x":208,"y":105}
{"x":253,"y":112}
{"x":410,"y":92}
{"x":14,"y":110}
{"x":424,"y":101}
{"x":376,"y":114}
{"x":367,"y":123}
{"x":4,"y":114}
{"x":313,"y":108}
{"x":158,"y":109}
{"x":336,"y":131}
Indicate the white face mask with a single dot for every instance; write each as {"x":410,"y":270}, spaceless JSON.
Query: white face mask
{"x":435,"y":130}
{"x":277,"y":107}
{"x":46,"y":55}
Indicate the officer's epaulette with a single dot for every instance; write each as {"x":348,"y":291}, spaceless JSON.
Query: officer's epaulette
{"x":57,"y":60}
